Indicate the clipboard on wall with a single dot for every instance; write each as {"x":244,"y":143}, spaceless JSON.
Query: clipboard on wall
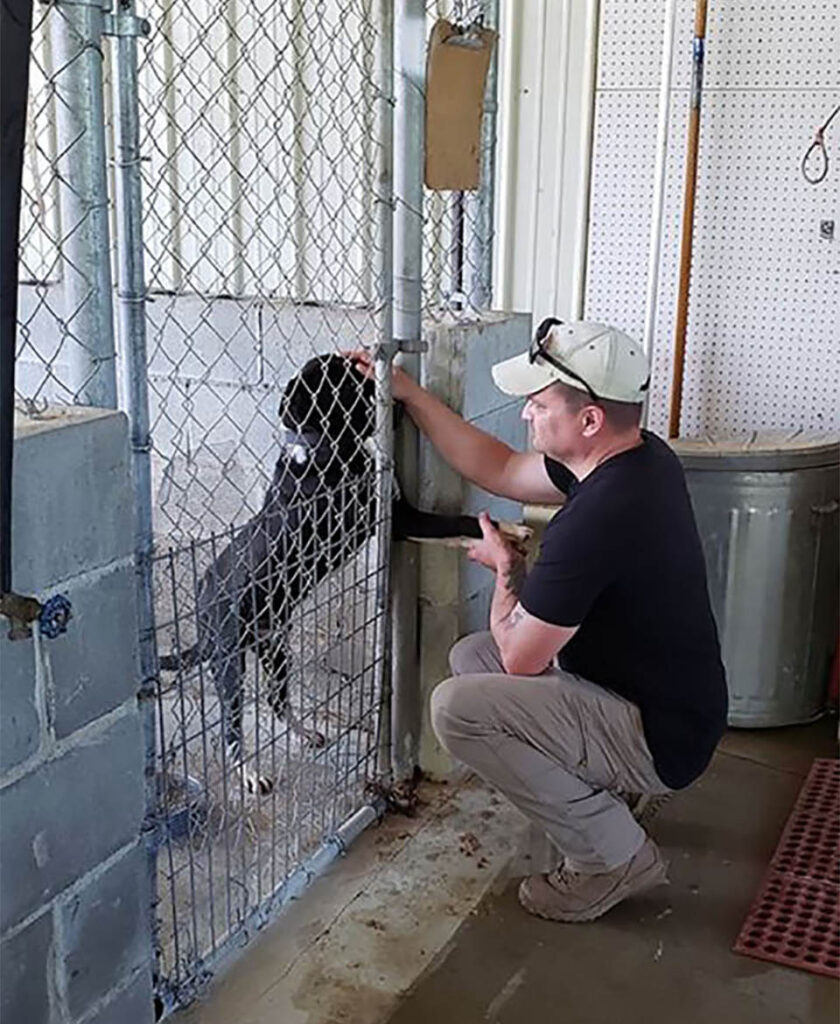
{"x":456,"y":72}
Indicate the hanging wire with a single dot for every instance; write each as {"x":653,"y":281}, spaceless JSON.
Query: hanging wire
{"x":818,"y":144}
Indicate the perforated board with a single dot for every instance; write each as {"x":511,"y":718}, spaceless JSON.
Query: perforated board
{"x":763,"y":346}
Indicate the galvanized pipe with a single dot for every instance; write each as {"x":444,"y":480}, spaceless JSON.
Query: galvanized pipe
{"x":481,"y":204}
{"x":77,"y":29}
{"x":383,"y":364}
{"x":131,"y":310}
{"x":659,"y":185}
{"x":333,"y":847}
{"x":409,"y":83}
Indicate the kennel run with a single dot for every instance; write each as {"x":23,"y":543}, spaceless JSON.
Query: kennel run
{"x":251,"y":162}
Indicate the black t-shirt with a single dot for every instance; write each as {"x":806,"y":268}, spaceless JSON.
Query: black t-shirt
{"x":622,"y":560}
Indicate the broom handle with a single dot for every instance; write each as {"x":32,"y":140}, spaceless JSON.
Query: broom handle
{"x":688,"y":215}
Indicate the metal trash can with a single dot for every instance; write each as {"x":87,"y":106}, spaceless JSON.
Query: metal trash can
{"x":767,"y":511}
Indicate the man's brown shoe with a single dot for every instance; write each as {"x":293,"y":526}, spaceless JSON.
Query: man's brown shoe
{"x":567,"y":895}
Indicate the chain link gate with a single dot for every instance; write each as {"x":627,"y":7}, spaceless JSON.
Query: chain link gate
{"x":250,"y":167}
{"x":458,"y":225}
{"x":266,"y":223}
{"x":241,"y":160}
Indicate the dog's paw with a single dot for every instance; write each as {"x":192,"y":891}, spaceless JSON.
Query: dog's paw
{"x":314,"y":739}
{"x":517,"y":532}
{"x":257,"y":785}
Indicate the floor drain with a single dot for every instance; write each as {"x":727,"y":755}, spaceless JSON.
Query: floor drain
{"x":795,"y":918}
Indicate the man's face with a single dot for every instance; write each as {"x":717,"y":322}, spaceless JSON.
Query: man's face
{"x":555,"y":430}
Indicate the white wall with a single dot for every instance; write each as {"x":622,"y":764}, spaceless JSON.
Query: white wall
{"x":764,"y":327}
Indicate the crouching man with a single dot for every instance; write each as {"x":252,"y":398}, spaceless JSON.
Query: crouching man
{"x":600,"y":682}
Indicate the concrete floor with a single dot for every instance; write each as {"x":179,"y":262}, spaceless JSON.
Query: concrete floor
{"x":420,"y":923}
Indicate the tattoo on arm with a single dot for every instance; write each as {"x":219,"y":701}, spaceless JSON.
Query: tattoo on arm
{"x":506,"y":611}
{"x":514,"y":576}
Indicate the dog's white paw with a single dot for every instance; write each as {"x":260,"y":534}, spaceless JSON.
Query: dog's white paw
{"x":256,"y":784}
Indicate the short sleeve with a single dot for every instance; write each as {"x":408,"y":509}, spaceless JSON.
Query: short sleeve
{"x":559,"y":475}
{"x":575,"y":565}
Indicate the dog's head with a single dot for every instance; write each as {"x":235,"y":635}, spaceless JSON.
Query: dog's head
{"x":330,"y":399}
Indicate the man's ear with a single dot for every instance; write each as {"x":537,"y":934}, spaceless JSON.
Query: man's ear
{"x":593,"y":420}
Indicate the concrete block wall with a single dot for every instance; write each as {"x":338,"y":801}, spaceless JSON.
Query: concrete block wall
{"x":455,"y":593}
{"x":74,"y":939}
{"x":216,"y":369}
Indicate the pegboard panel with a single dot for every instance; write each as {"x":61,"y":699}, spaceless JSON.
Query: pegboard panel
{"x":766,"y":44}
{"x":763,"y":347}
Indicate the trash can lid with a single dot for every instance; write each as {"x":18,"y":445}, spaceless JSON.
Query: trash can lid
{"x":768,"y":451}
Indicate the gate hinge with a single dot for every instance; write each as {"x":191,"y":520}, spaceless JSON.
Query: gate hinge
{"x":126,"y":24}
{"x":391,"y":348}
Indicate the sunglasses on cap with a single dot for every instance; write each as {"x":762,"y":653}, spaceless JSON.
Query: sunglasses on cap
{"x":538,"y":350}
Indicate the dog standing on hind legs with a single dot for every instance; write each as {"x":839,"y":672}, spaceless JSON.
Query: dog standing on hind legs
{"x":317,"y":512}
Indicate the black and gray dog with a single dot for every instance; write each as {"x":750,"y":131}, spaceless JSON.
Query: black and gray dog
{"x":319,"y":509}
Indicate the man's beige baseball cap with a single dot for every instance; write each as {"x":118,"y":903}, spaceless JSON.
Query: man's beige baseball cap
{"x":591,"y":357}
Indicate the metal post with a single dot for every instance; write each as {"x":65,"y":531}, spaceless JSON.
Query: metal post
{"x":384,"y":359}
{"x":131,"y":297}
{"x":77,"y":28}
{"x":409,"y":80}
{"x":410,"y":74}
{"x":481,"y":204}
{"x":659,"y":186}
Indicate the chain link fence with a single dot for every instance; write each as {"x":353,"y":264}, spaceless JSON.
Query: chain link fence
{"x":265,"y":237}
{"x":458,"y":225}
{"x":65,"y":350}
{"x":265,"y":157}
{"x":262,"y":158}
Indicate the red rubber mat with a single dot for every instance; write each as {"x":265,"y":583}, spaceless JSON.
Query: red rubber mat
{"x":795,"y":918}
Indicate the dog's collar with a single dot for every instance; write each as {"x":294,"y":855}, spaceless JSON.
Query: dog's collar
{"x":305,"y":446}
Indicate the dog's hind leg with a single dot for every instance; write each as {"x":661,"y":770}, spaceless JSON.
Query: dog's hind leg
{"x":275,"y":662}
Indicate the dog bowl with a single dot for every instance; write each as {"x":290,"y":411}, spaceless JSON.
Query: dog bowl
{"x":182,"y":807}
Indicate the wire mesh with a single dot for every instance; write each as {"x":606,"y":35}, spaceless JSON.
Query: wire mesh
{"x":268,"y":738}
{"x":458,"y":225}
{"x":65,"y":347}
{"x":265,"y":256}
{"x":265,"y":159}
{"x":260,"y":232}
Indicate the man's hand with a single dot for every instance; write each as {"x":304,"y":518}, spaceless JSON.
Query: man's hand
{"x":401,"y":384}
{"x":494,"y":550}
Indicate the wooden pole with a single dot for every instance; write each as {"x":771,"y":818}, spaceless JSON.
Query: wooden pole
{"x":688,"y":215}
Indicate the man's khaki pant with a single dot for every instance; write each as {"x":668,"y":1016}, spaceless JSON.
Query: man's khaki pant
{"x":557,"y":746}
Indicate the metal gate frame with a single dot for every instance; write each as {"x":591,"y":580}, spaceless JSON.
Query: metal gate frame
{"x":132,"y":320}
{"x":79,"y":162}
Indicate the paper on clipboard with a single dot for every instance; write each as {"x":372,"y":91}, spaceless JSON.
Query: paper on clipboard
{"x":456,"y":71}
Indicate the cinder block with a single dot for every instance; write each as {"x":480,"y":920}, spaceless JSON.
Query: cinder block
{"x":293,"y":334}
{"x":169,"y":414}
{"x":203,"y":339}
{"x":133,"y":1005}
{"x":499,"y":339}
{"x":20,"y":725}
{"x":244,"y":419}
{"x":41,"y":339}
{"x":72,"y":501}
{"x":455,"y":594}
{"x":105,"y":934}
{"x":94,"y":664}
{"x":68,"y":816}
{"x":26,"y":962}
{"x":36,"y":380}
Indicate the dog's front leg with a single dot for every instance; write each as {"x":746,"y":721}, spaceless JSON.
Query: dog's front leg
{"x":409,"y":521}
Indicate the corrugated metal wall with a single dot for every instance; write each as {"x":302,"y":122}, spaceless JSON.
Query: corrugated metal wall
{"x":764,"y":327}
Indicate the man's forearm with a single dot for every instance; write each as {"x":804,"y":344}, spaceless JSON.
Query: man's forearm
{"x":478,"y":456}
{"x":505,"y":612}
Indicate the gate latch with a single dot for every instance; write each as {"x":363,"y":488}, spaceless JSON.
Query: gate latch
{"x":126,"y":24}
